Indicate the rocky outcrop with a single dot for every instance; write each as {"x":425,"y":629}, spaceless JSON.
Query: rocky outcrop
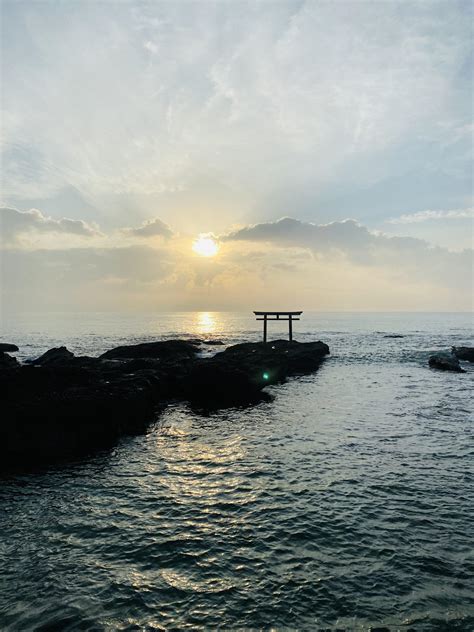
{"x":163,"y":349}
{"x":238,"y":374}
{"x":57,"y":355}
{"x":464,"y":353}
{"x":7,"y":347}
{"x":61,"y":417}
{"x":7,"y":362}
{"x":213,"y":385}
{"x":272,"y":362}
{"x":445,"y":362}
{"x":60,"y":404}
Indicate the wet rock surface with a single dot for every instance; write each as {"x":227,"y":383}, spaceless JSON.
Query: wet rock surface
{"x":464,"y":353}
{"x":238,"y":374}
{"x":60,"y":405}
{"x":163,"y":349}
{"x":6,"y":346}
{"x":445,"y":362}
{"x":7,"y":362}
{"x":57,"y":355}
{"x":277,"y":360}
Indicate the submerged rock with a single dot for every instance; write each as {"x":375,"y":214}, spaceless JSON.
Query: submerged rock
{"x":445,"y":362}
{"x":5,"y":346}
{"x":464,"y":353}
{"x":394,"y":336}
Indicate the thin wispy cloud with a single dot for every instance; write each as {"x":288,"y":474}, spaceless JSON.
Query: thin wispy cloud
{"x":273,"y":98}
{"x":425,"y":216}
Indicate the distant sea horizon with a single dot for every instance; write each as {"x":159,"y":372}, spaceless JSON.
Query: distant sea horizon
{"x":38,"y":329}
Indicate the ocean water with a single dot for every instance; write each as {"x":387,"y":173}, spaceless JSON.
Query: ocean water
{"x":346,"y":503}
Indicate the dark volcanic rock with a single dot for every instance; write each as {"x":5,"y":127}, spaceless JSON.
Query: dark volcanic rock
{"x":278,"y":359}
{"x":61,"y":357}
{"x":57,"y":355}
{"x":464,"y":353}
{"x":5,"y":346}
{"x":445,"y":362}
{"x":205,"y":341}
{"x":214,"y":385}
{"x":163,"y":349}
{"x":238,"y":374}
{"x":60,"y":405}
{"x":46,"y":418}
{"x":7,"y":362}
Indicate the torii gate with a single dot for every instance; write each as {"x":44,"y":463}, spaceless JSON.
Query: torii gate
{"x":290,"y":317}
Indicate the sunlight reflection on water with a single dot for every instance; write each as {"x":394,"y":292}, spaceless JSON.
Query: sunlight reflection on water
{"x":206,"y":323}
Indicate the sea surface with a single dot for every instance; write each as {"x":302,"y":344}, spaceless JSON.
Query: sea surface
{"x":345,"y":503}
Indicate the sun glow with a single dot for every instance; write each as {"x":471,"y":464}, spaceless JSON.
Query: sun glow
{"x":205,"y":246}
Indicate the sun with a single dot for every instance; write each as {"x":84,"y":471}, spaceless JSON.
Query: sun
{"x":205,"y":245}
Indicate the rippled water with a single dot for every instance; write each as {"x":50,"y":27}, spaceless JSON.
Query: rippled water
{"x":347,"y":502}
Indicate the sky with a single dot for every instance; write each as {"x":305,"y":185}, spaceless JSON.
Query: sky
{"x":324,"y":147}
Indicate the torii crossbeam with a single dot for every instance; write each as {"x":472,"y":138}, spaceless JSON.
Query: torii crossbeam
{"x":289,"y":316}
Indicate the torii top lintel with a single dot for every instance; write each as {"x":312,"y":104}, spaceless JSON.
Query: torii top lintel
{"x":278,"y":313}
{"x":267,"y":315}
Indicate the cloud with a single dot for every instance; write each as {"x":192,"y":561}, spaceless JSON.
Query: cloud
{"x":151,"y":47}
{"x":151,"y":228}
{"x":424,"y":216}
{"x":348,"y":235}
{"x":414,"y":258}
{"x":337,"y":266}
{"x":267,"y":98}
{"x":14,"y":223}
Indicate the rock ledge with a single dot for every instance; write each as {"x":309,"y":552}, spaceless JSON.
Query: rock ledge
{"x":60,"y":404}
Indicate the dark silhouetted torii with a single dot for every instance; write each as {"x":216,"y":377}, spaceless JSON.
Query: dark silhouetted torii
{"x":286,"y":316}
